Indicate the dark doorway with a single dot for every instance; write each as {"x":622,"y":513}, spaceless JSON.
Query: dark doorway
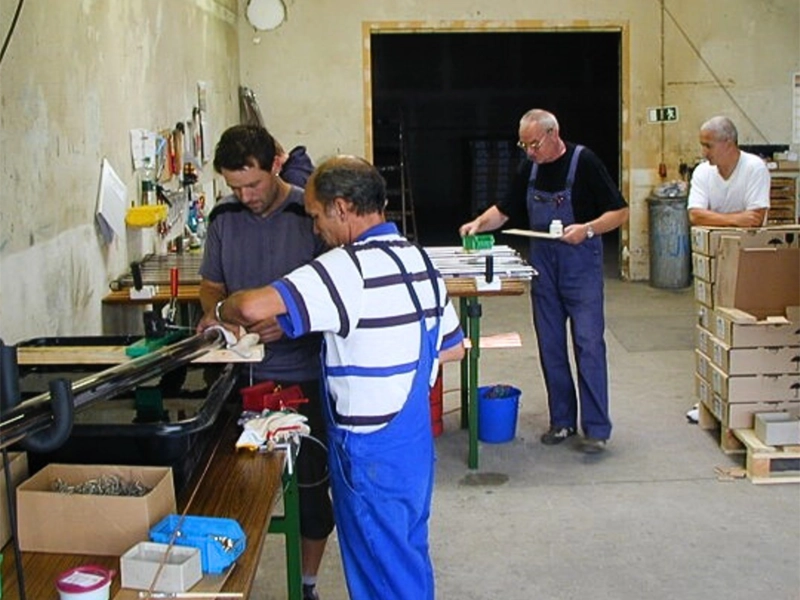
{"x":459,"y":96}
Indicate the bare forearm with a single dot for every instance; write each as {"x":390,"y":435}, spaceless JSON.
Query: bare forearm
{"x":248,"y":308}
{"x":452,"y":354}
{"x":489,"y":220}
{"x":609,"y":221}
{"x":745,"y":218}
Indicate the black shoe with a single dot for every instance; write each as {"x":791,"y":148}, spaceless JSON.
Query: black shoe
{"x":310,"y":592}
{"x":556,"y":435}
{"x":591,"y":445}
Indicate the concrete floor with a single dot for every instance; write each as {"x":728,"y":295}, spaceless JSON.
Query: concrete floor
{"x":649,"y":518}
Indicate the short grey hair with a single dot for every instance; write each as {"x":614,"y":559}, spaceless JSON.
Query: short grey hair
{"x":352,"y":178}
{"x":722,"y":128}
{"x":544,"y":118}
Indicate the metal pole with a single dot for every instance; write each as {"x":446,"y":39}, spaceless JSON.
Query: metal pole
{"x":35,"y":413}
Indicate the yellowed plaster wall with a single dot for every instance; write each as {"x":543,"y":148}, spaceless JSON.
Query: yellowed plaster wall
{"x":731,"y":57}
{"x":77,"y":76}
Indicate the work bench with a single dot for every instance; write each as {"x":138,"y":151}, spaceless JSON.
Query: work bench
{"x":223,"y":482}
{"x":239,"y":485}
{"x":462,"y":273}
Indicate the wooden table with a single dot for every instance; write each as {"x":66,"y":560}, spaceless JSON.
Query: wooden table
{"x":468,"y":294}
{"x":238,"y":485}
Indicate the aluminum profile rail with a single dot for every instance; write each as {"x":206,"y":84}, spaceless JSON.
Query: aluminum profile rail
{"x":36,"y":414}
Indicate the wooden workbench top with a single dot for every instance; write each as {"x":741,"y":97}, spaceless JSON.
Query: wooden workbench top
{"x":114,"y":355}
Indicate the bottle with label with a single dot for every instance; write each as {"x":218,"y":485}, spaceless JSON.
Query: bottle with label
{"x":556,"y":228}
{"x":146,"y":176}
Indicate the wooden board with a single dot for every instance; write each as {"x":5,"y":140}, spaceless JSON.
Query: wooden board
{"x":499,"y":340}
{"x":534,"y":234}
{"x":114,"y":355}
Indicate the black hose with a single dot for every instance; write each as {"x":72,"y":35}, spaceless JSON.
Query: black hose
{"x":54,"y":436}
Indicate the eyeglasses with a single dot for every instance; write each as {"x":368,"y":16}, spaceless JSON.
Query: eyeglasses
{"x":534,"y":145}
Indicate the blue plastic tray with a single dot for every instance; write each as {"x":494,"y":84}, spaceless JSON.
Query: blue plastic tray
{"x":221,"y":541}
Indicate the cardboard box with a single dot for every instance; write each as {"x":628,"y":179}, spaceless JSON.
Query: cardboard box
{"x":18,"y":466}
{"x":777,"y":428}
{"x":702,"y":365}
{"x":148,"y":566}
{"x":703,"y":340}
{"x":755,"y":388}
{"x":703,"y":267}
{"x":705,"y":316}
{"x":51,"y":521}
{"x":740,"y":329}
{"x":754,"y":361}
{"x":703,"y":391}
{"x":704,"y":292}
{"x":706,"y":240}
{"x":759,"y":281}
{"x":742,"y":415}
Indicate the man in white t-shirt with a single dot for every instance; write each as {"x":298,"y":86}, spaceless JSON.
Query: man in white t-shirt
{"x":731,"y":188}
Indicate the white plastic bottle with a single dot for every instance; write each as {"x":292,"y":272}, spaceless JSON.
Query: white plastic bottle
{"x":556,"y":228}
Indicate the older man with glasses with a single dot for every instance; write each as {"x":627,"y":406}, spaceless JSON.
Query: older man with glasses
{"x":567,"y":182}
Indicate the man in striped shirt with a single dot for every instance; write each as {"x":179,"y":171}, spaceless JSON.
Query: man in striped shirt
{"x":387,"y":323}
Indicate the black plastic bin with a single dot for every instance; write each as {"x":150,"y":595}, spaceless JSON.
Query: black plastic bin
{"x":168,"y":421}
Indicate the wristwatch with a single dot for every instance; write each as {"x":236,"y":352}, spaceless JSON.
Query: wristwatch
{"x":218,"y":310}
{"x":589,"y":231}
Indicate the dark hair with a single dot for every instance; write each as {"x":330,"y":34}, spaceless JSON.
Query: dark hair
{"x":353,"y":179}
{"x":244,"y":145}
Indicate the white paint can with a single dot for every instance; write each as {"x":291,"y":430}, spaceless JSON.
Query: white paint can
{"x":89,"y":582}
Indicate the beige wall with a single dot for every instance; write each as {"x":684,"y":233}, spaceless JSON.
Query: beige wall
{"x":309,"y":73}
{"x":77,"y":76}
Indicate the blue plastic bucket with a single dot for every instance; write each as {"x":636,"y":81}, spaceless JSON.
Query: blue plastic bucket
{"x":498,"y":406}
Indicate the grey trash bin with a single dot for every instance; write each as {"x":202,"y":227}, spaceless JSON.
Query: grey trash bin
{"x":670,"y":252}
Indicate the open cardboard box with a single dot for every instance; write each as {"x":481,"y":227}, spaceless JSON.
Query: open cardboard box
{"x":50,"y":521}
{"x":759,"y":281}
{"x":740,"y":329}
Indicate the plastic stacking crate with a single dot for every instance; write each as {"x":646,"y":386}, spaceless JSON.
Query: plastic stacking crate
{"x":481,"y":241}
{"x":221,"y":541}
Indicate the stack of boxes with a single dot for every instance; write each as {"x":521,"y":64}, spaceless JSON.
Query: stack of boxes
{"x":747,"y":293}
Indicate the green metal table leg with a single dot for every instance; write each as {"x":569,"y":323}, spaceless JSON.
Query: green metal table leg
{"x":463,"y":310}
{"x":289,"y":526}
{"x":474,"y":311}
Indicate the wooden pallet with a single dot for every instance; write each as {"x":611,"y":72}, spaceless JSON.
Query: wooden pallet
{"x":769,"y":464}
{"x":728,"y":442}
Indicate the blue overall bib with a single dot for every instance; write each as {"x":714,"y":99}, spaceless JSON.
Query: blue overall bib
{"x":569,"y":286}
{"x":382,"y":484}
